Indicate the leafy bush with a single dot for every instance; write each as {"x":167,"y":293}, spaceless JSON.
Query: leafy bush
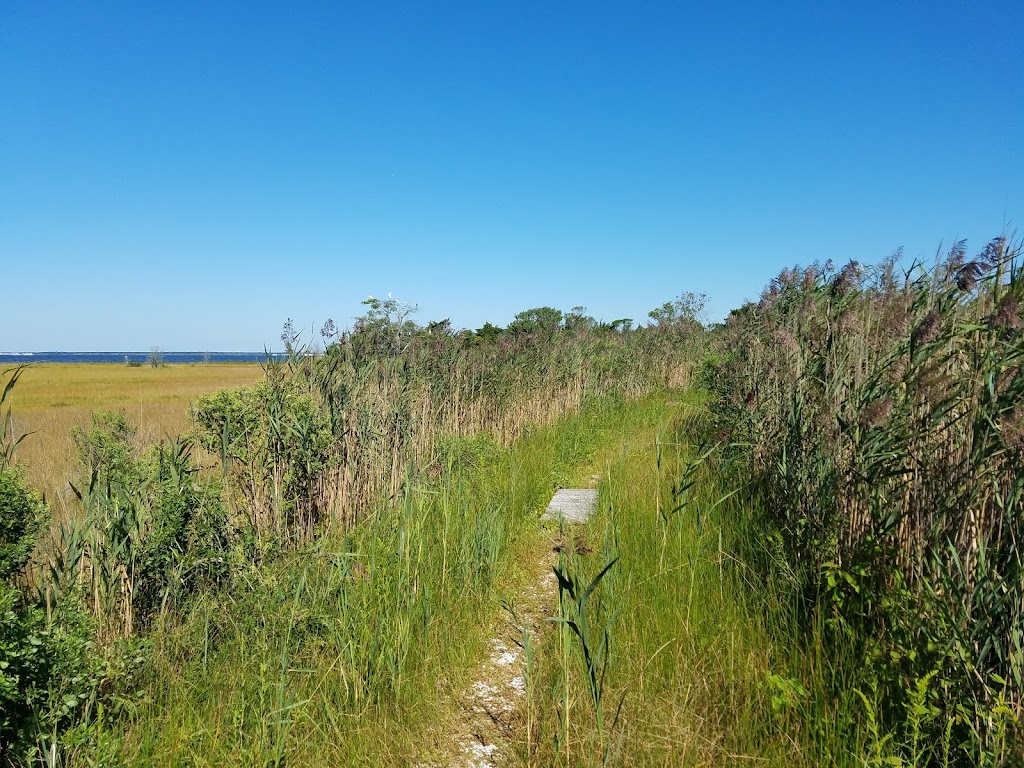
{"x":23,"y":669}
{"x":107,"y":447}
{"x":24,"y":661}
{"x":22,"y":514}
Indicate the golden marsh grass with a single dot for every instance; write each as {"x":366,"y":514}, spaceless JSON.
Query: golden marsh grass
{"x":53,"y":398}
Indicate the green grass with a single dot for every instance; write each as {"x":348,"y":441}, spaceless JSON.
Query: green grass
{"x":690,"y":671}
{"x":347,"y":652}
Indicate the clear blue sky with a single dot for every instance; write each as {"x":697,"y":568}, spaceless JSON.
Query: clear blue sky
{"x":190,"y":174}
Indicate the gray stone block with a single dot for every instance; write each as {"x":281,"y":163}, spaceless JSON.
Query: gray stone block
{"x":574,"y":505}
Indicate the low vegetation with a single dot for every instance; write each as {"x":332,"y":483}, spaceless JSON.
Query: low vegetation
{"x":660,"y":655}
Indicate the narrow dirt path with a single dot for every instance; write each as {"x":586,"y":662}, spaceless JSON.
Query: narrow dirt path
{"x":492,"y":707}
{"x":493,"y":703}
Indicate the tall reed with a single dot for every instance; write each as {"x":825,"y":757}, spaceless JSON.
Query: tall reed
{"x":327,"y":436}
{"x":880,"y":414}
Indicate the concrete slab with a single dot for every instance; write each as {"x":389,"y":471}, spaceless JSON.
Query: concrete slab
{"x":574,"y":505}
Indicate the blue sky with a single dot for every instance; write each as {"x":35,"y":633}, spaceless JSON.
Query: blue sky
{"x":190,"y":174}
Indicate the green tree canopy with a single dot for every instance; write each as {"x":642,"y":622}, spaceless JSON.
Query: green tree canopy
{"x":539,"y":319}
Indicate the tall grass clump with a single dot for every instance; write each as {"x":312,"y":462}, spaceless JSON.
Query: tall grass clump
{"x":660,"y":654}
{"x":326,"y":436}
{"x":879,"y":413}
{"x":346,"y":651}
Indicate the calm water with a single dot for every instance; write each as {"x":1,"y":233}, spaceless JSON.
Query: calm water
{"x":142,"y":357}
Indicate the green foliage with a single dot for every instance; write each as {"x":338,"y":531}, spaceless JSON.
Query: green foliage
{"x":185,"y":548}
{"x":385,"y":330}
{"x":357,"y":629}
{"x":488,"y":333}
{"x":676,"y":643}
{"x":578,"y":321}
{"x":23,"y":669}
{"x":275,"y":442}
{"x":8,"y":442}
{"x":228,"y":417}
{"x":107,"y":447}
{"x":23,"y":662}
{"x":687,"y":310}
{"x":327,"y":436}
{"x":538,"y":320}
{"x":878,"y":418}
{"x":324,"y":459}
{"x":573,"y":599}
{"x":467,"y":452}
{"x":22,"y":514}
{"x":152,"y":534}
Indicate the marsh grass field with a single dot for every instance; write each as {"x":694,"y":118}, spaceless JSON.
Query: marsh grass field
{"x":52,"y":399}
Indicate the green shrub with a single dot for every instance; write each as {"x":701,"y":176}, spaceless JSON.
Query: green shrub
{"x":21,"y":516}
{"x":23,"y":658}
{"x":107,"y":447}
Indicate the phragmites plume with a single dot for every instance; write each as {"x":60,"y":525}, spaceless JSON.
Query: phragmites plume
{"x":1007,"y":314}
{"x":876,"y":413}
{"x":810,"y":279}
{"x":769,"y":295}
{"x":927,"y":331}
{"x":956,"y":255}
{"x":994,"y":252}
{"x":848,"y":321}
{"x":967,"y":275}
{"x":847,"y":279}
{"x":1007,"y":378}
{"x":887,"y":274}
{"x":785,"y":341}
{"x":1012,"y":429}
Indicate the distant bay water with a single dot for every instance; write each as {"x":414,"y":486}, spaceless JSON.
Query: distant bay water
{"x":136,"y":357}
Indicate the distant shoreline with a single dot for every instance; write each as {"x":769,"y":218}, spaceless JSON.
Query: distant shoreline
{"x":134,"y":357}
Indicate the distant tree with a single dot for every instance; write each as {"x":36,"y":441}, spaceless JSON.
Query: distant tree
{"x":685,"y":311}
{"x":385,"y":329}
{"x":156,"y":357}
{"x":440,"y":328}
{"x":488,"y":333}
{"x":577,"y":319}
{"x":537,"y":320}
